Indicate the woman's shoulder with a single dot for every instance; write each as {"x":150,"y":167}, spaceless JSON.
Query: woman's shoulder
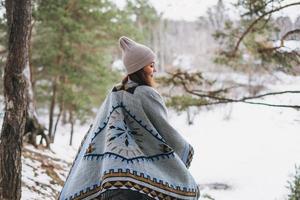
{"x":147,"y":91}
{"x":149,"y":94}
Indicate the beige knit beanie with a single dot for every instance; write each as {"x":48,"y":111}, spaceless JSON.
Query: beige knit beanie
{"x":135,"y":56}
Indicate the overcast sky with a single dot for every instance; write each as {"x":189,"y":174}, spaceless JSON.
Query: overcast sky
{"x":192,"y":9}
{"x":183,"y":9}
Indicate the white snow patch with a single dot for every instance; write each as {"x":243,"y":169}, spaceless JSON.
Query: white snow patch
{"x":289,"y":45}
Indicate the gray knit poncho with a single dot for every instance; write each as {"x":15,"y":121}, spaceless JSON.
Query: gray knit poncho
{"x":131,"y":145}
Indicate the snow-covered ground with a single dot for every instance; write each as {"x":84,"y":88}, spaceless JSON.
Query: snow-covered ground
{"x":253,"y":152}
{"x":251,"y":148}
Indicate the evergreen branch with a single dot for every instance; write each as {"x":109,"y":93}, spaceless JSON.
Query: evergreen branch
{"x":251,"y":26}
{"x":258,"y":9}
{"x":266,"y":22}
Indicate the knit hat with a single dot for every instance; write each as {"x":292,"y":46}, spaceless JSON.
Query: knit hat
{"x":135,"y":55}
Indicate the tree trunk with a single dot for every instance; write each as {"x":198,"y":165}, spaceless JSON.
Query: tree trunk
{"x":72,"y":127}
{"x":61,"y":108}
{"x":64,"y":120}
{"x":33,"y":125}
{"x":52,"y":107}
{"x":15,"y":83}
{"x":189,"y":116}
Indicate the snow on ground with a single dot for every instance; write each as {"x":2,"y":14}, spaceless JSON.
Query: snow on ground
{"x":253,"y":152}
{"x":43,"y":173}
{"x":250,"y":148}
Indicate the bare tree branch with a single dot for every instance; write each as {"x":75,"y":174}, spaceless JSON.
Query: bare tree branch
{"x":271,"y":94}
{"x":222,"y":100}
{"x":297,"y":107}
{"x":295,"y":31}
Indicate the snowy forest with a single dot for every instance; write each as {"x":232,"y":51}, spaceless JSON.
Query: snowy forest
{"x":231,"y":83}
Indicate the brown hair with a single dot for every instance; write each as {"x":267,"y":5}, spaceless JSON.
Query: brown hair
{"x":139,"y":77}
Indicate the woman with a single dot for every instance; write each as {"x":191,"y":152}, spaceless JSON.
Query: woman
{"x":131,"y":152}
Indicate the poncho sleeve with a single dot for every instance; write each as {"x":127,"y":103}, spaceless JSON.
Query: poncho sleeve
{"x":156,"y":111}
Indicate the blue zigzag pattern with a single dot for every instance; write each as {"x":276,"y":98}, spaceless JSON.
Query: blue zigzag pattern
{"x":128,"y":160}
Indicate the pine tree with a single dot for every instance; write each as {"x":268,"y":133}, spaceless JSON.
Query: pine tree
{"x":73,"y":46}
{"x":249,"y":41}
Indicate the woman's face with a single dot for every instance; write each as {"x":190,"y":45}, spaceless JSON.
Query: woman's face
{"x":149,"y":71}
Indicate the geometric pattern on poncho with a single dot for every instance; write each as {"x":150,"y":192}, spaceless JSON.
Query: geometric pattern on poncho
{"x":134,"y":184}
{"x":125,"y":139}
{"x":121,"y":126}
{"x":190,"y":157}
